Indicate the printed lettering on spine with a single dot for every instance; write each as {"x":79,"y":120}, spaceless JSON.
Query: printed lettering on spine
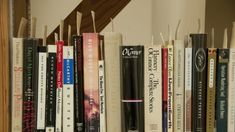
{"x":91,"y":88}
{"x":199,"y":81}
{"x":132,"y":86}
{"x":222,"y":91}
{"x":164,"y":87}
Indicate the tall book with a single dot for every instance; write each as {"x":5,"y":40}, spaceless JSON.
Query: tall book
{"x":222,"y":90}
{"x":41,"y":92}
{"x":78,"y":85}
{"x":164,"y":87}
{"x":30,"y":66}
{"x":132,"y":88}
{"x":199,"y":79}
{"x":112,"y":81}
{"x":188,"y":90}
{"x":178,"y":86}
{"x":91,"y":88}
{"x":231,"y":90}
{"x":17,"y":84}
{"x":68,"y":91}
{"x":211,"y":89}
{"x":59,"y":85}
{"x":170,"y":88}
{"x":153,"y":88}
{"x":51,"y":88}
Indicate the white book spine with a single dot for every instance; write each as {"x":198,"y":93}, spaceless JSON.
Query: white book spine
{"x":178,"y":86}
{"x":231,"y":92}
{"x":68,"y":89}
{"x":170,"y":88}
{"x":102,"y":99}
{"x":153,"y":88}
{"x":188,"y":89}
{"x":17,"y":86}
{"x":41,"y":106}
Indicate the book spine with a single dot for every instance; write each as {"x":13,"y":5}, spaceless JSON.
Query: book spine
{"x":222,"y":90}
{"x":68,"y":91}
{"x":59,"y":85}
{"x":51,"y":89}
{"x":112,"y":41}
{"x":41,"y":98}
{"x":29,"y":89}
{"x":17,"y":84}
{"x":153,"y":88}
{"x":211,"y":88}
{"x":231,"y":91}
{"x":164,"y":87}
{"x":188,"y":89}
{"x":132,"y":85}
{"x":199,"y":82}
{"x":78,"y":85}
{"x":91,"y":88}
{"x":170,"y":88}
{"x":178,"y":86}
{"x":102,"y":97}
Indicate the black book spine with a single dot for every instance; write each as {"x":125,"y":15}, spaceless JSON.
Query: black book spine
{"x":51,"y":88}
{"x":30,"y":84}
{"x":199,"y":83}
{"x":132,"y":88}
{"x":78,"y":85}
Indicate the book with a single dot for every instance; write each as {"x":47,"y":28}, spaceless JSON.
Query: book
{"x":178,"y":86}
{"x":170,"y":88}
{"x":59,"y":85}
{"x":41,"y":92}
{"x":112,"y":42}
{"x":199,"y":79}
{"x":51,"y":88}
{"x":164,"y":87}
{"x":188,"y":90}
{"x":91,"y":88}
{"x":17,"y":84}
{"x":211,"y":89}
{"x":78,"y":84}
{"x":30,"y":66}
{"x":231,"y":90}
{"x":153,"y":88}
{"x":68,"y":91}
{"x":222,"y":90}
{"x":132,"y":88}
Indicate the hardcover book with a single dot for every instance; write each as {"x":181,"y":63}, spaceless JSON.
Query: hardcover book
{"x":132,"y":88}
{"x":153,"y":88}
{"x":91,"y":88}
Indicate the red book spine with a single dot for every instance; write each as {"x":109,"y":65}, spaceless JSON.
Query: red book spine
{"x":164,"y":86}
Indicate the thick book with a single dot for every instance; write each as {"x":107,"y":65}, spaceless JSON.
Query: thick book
{"x":199,"y":81}
{"x":78,"y":85}
{"x":231,"y":91}
{"x":112,"y":81}
{"x":164,"y":87}
{"x":91,"y":88}
{"x":59,"y":85}
{"x":170,"y":88}
{"x":153,"y":88}
{"x":68,"y":89}
{"x":188,"y":90}
{"x":51,"y":88}
{"x":17,"y":84}
{"x":41,"y":92}
{"x":30,"y":78}
{"x":222,"y":90}
{"x":211,"y":89}
{"x":132,"y":88}
{"x":178,"y":86}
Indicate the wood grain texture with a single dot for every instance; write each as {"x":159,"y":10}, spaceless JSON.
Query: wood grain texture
{"x":4,"y":67}
{"x":104,"y":10}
